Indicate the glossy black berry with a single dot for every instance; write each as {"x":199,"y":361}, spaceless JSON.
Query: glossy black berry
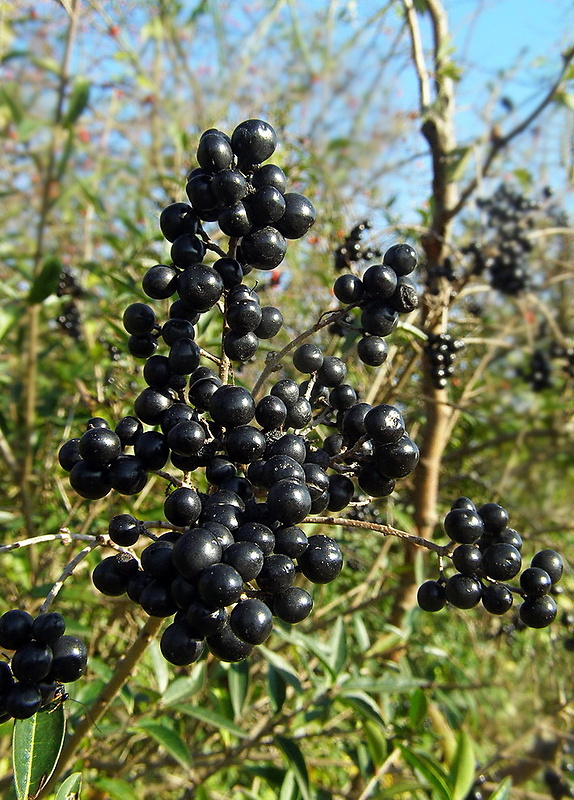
{"x":48,"y":627}
{"x":293,"y":605}
{"x":124,"y":529}
{"x":372,"y":350}
{"x":538,"y":612}
{"x":463,"y":591}
{"x":463,"y":525}
{"x":178,"y":646}
{"x":246,"y":557}
{"x":99,"y":446}
{"x":32,"y":661}
{"x":232,"y":406}
{"x":380,"y":281}
{"x":308,"y":358}
{"x":263,"y":248}
{"x":256,"y":533}
{"x":15,"y":628}
{"x":298,"y":217}
{"x":494,"y":516}
{"x":69,"y":454}
{"x":160,"y":282}
{"x":182,"y":507}
{"x":177,"y":219}
{"x":501,"y":561}
{"x":70,"y":659}
{"x":196,"y":550}
{"x":496,"y":598}
{"x":23,"y":700}
{"x":289,"y":501}
{"x":402,"y":258}
{"x":276,"y":574}
{"x":551,"y":562}
{"x":220,"y":585}
{"x":348,"y":288}
{"x":467,"y":558}
{"x":322,"y":559}
{"x":431,"y":596}
{"x":253,"y":141}
{"x":139,"y":319}
{"x":535,"y":582}
{"x":251,"y":620}
{"x":226,"y":646}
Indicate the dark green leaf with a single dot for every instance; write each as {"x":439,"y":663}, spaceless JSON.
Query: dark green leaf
{"x":182,"y":688}
{"x":169,"y":740}
{"x":430,"y":770}
{"x":296,"y":761}
{"x":363,"y":704}
{"x":78,"y":101}
{"x":13,"y":104}
{"x":46,"y":282}
{"x":238,"y":680}
{"x":36,"y":746}
{"x":71,"y":788}
{"x":283,"y":667}
{"x":277,"y":688}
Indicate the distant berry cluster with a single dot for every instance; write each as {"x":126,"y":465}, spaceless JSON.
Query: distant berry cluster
{"x":43,"y":658}
{"x":353,"y":250}
{"x":441,"y":350}
{"x":487,"y":555}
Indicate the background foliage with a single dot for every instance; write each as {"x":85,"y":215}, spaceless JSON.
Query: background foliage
{"x":101,"y":105}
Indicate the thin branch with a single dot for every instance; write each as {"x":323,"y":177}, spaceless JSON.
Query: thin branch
{"x":418,"y":55}
{"x":498,"y":143}
{"x":383,"y":530}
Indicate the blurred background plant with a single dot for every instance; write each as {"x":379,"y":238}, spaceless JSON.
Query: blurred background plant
{"x":101,"y":106}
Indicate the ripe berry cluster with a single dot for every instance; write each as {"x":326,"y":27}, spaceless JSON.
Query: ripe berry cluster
{"x":510,"y":216}
{"x":488,"y":553}
{"x":441,"y":350}
{"x":382,"y":293}
{"x":539,"y":371}
{"x":247,"y":200}
{"x":352,"y":249}
{"x":263,"y":462}
{"x":44,"y":658}
{"x":69,"y":317}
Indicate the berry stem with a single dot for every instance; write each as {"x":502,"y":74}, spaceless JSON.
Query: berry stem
{"x":384,"y":530}
{"x":68,"y":570}
{"x":274,"y":359}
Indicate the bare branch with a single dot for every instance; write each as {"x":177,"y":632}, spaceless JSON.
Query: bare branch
{"x":418,"y":55}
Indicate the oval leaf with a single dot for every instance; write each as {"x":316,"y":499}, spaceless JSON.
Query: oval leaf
{"x":168,"y":739}
{"x":462,"y":767}
{"x":502,"y":791}
{"x":212,"y":718}
{"x":36,"y":746}
{"x":46,"y":282}
{"x":296,"y":761}
{"x":70,"y":789}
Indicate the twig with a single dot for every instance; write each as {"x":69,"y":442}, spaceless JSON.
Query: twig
{"x":383,"y":530}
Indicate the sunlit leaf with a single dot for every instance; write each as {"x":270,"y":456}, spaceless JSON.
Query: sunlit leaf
{"x":36,"y":746}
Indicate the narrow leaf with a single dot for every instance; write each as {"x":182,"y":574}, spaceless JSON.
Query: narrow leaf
{"x":417,"y":708}
{"x":116,"y":789}
{"x":238,"y":681}
{"x":277,"y":688}
{"x":462,"y":767}
{"x":168,"y":739}
{"x":70,"y":788}
{"x":289,"y":790}
{"x":502,"y":791}
{"x":364,"y":705}
{"x":36,"y":746}
{"x":46,"y":282}
{"x":296,"y":761}
{"x":283,"y":667}
{"x":338,"y":656}
{"x":430,"y":770}
{"x":78,"y":101}
{"x":212,"y":718}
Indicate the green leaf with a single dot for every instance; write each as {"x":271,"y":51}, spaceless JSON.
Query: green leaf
{"x":160,"y":668}
{"x":9,"y":316}
{"x":70,"y":788}
{"x":212,"y":718}
{"x":296,"y":761}
{"x":168,"y":739}
{"x":462,"y":769}
{"x":46,"y":282}
{"x":430,"y":770}
{"x":36,"y":746}
{"x":16,"y":110}
{"x":361,"y":633}
{"x":417,"y":708}
{"x":338,"y":657}
{"x":78,"y":101}
{"x":182,"y":688}
{"x":283,"y":667}
{"x":502,"y":791}
{"x":116,"y":789}
{"x":238,"y":681}
{"x":363,"y":704}
{"x":289,"y":789}
{"x":277,"y":687}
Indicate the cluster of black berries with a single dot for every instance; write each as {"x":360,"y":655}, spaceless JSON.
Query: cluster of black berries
{"x":441,"y":350}
{"x":539,"y":371}
{"x":229,"y":561}
{"x":69,"y":318}
{"x":443,"y":270}
{"x":510,"y":217}
{"x":246,"y":198}
{"x":352,"y":249}
{"x":565,"y":355}
{"x":225,"y":574}
{"x":382,"y":293}
{"x":43,"y":659}
{"x":488,"y":553}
